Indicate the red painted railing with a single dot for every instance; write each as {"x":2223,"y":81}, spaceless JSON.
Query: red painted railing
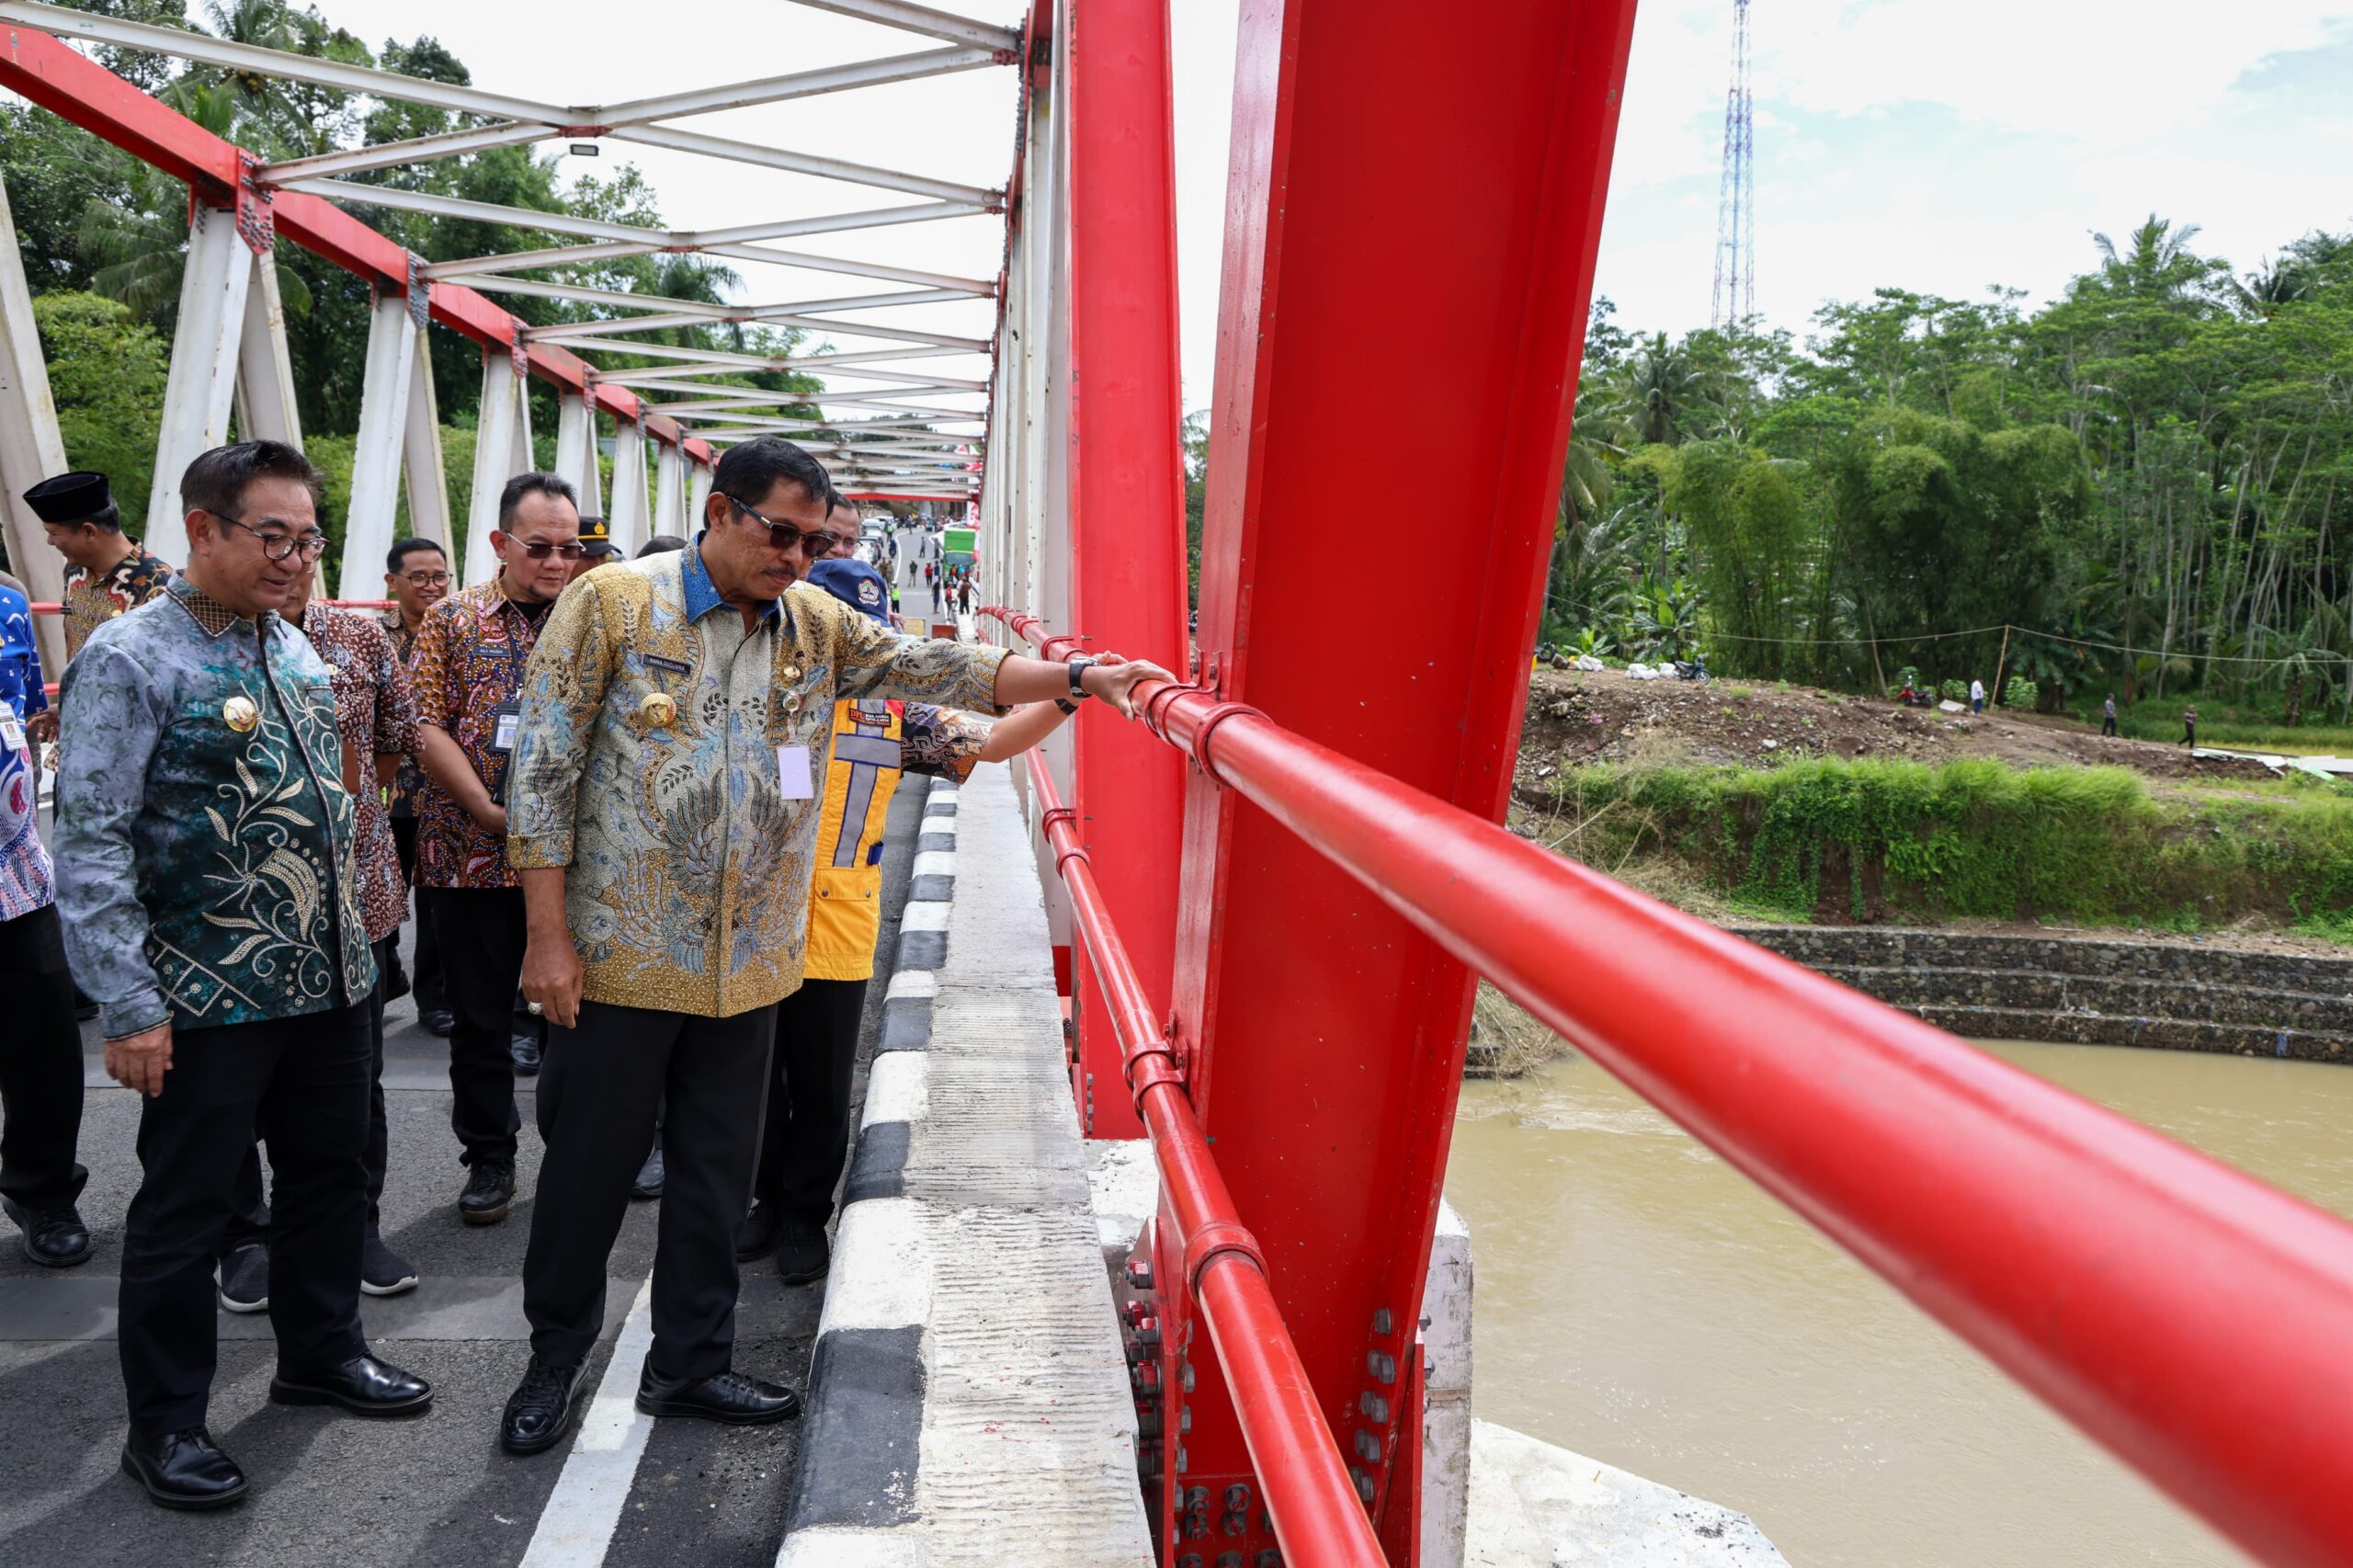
{"x":2187,"y":1316}
{"x":1320,"y":1518}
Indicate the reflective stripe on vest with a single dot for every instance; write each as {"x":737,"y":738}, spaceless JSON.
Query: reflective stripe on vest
{"x":846,"y":890}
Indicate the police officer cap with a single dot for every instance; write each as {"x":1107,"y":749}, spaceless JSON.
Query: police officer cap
{"x":596,"y":537}
{"x":854,"y":583}
{"x":70,"y":497}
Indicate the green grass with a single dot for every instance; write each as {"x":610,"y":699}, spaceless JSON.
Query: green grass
{"x":2254,"y":727}
{"x":1976,"y":839}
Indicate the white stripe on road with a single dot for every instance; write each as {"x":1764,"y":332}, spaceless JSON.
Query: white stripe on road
{"x":577,"y":1526}
{"x":924,"y":915}
{"x":913,"y":982}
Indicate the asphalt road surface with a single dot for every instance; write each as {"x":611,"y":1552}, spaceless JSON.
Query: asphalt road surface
{"x":426,"y":1493}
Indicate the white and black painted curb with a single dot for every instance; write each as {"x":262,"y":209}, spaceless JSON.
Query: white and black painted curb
{"x":863,"y":1425}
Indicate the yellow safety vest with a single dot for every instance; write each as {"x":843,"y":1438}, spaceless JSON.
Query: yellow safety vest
{"x":846,"y":894}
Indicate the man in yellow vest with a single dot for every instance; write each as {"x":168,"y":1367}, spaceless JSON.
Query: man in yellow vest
{"x":805,"y":1135}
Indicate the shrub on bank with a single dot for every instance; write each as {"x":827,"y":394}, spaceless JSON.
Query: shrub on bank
{"x":1869,"y":840}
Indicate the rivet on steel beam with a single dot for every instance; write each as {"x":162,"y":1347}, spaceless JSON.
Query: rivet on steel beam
{"x":1140,"y":1273}
{"x":1196,"y":1498}
{"x":1229,"y":1560}
{"x":1368,"y":1447}
{"x":1185,"y":1420}
{"x":1196,"y":1525}
{"x":1233,"y":1523}
{"x":1375,"y":1407}
{"x":1190,"y":1560}
{"x":1364,"y":1483}
{"x":1237,"y":1497}
{"x":1383,"y":1368}
{"x":1381,"y":1321}
{"x":1180,"y":1459}
{"x":1270,"y":1558}
{"x":1148,"y":1425}
{"x":1186,"y":1381}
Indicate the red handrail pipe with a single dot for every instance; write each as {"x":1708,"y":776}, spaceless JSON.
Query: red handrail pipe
{"x":2189,"y":1318}
{"x":1318,"y":1517}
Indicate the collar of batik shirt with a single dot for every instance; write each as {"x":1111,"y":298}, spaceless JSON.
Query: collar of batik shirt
{"x":702,"y":594}
{"x":210,"y":613}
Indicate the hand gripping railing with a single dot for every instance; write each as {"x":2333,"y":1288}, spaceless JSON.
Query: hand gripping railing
{"x":1317,"y":1515}
{"x":2193,"y":1319}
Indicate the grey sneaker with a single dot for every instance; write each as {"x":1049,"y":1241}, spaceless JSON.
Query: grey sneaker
{"x":382,"y":1271}
{"x":245,"y":1280}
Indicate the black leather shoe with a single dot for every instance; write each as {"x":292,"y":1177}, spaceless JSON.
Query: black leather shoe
{"x":649,"y":1176}
{"x":730,"y":1398}
{"x":525,"y":1053}
{"x":490,"y":1188}
{"x":54,"y":1238}
{"x":542,"y":1406}
{"x":183,"y":1470}
{"x":362,"y":1385}
{"x":755,"y":1234}
{"x":802,"y":1256}
{"x":437,"y":1021}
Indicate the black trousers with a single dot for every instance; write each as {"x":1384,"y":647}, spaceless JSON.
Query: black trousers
{"x":806,"y":1134}
{"x":598,"y":1090}
{"x":41,"y":1065}
{"x":302,"y":1084}
{"x":426,"y":983}
{"x":482,"y":934}
{"x":2108,"y":726}
{"x":249,"y":1209}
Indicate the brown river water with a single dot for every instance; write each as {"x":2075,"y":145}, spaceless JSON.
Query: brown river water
{"x":1640,"y":1301}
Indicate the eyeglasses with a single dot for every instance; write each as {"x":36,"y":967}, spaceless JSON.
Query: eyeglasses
{"x":279,"y":546}
{"x":426,"y":579}
{"x":539,"y":550}
{"x":784,"y":536}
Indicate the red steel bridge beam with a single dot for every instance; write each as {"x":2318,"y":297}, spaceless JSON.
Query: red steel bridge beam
{"x":2109,"y":1270}
{"x":40,"y":68}
{"x":1126,"y":485}
{"x":1383,"y":152}
{"x":1307,"y":1487}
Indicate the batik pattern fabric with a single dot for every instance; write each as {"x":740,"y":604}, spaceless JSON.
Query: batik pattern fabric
{"x":409,"y":781}
{"x":377,"y":717}
{"x":470,"y":656}
{"x":649,"y":766}
{"x":21,"y":687}
{"x":26,"y":882}
{"x":205,"y":842}
{"x":93,"y":598}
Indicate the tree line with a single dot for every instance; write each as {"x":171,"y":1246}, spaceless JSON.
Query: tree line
{"x":2145,"y":482}
{"x":103,"y":237}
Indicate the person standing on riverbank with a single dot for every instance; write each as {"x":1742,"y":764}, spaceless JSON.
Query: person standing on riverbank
{"x":2108,"y":715}
{"x":2188,"y":727}
{"x":1977,"y":697}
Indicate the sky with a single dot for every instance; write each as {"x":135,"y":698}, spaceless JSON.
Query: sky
{"x":1909,"y":143}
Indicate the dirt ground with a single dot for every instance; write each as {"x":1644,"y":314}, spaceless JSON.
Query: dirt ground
{"x":1577,"y":717}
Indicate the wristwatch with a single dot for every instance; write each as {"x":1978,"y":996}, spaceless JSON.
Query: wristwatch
{"x":1065,"y":704}
{"x":1078,"y":666}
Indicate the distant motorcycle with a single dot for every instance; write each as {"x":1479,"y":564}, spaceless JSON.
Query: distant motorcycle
{"x":1692,"y":669}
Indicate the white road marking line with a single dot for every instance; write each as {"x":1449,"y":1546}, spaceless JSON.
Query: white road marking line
{"x":896,"y":1088}
{"x":935,"y":863}
{"x":577,"y":1526}
{"x":924,"y":915}
{"x":913,"y":982}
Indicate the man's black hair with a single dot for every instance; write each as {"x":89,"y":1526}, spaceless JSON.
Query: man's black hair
{"x":510,"y":499}
{"x":749,"y":470}
{"x":660,"y":544}
{"x":216,"y":481}
{"x":409,"y":547}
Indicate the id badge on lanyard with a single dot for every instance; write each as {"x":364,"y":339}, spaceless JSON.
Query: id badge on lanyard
{"x":12,"y":733}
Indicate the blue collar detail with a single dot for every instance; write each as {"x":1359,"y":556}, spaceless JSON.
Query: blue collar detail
{"x":701,"y":595}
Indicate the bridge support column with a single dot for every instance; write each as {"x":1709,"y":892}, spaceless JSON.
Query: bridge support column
{"x":207,"y":343}
{"x":421,"y":460}
{"x":31,"y":447}
{"x":669,"y":491}
{"x":1323,"y":1034}
{"x":387,"y":403}
{"x":575,"y":451}
{"x":501,"y":450}
{"x":699,"y":476}
{"x":627,"y":512}
{"x":1126,"y":489}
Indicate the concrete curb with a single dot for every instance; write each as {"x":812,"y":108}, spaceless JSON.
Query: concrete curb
{"x":968,"y":1361}
{"x":860,"y":1447}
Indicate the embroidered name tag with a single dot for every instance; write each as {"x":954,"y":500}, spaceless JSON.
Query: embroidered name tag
{"x":676,"y":667}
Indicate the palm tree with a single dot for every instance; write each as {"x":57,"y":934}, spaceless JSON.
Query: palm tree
{"x":2155,"y":261}
{"x":1656,"y":391}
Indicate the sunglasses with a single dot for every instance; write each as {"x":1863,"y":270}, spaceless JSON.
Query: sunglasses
{"x":279,"y":546}
{"x":539,"y":550}
{"x":785,"y":536}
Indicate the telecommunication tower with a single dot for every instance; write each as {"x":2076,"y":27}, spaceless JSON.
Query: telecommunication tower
{"x":1736,"y":293}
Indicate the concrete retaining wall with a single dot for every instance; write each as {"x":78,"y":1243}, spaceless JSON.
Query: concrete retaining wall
{"x":2089,"y":990}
